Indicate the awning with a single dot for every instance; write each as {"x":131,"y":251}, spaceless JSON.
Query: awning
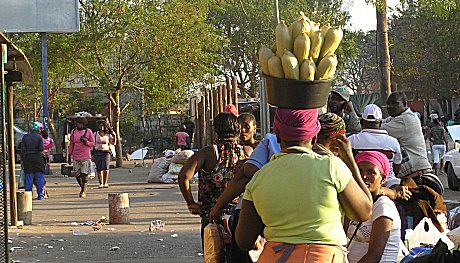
{"x":16,"y":55}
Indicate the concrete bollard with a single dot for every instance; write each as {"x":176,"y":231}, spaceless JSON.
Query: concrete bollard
{"x":24,"y":207}
{"x":118,"y":208}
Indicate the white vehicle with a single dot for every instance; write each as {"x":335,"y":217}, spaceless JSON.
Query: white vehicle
{"x":452,"y":159}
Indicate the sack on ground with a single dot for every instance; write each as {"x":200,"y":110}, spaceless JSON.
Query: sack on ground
{"x":174,"y":168}
{"x":454,"y":236}
{"x":426,"y":233}
{"x":182,"y":156}
{"x":213,"y":244}
{"x":159,"y":167}
{"x":168,"y":178}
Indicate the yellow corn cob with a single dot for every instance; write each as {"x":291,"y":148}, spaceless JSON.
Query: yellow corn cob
{"x":283,"y":38}
{"x":308,"y":69}
{"x":264,"y":55}
{"x":302,"y":47}
{"x":314,"y":26}
{"x":331,"y":41}
{"x":325,"y":28}
{"x":316,"y":44}
{"x":274,"y":67}
{"x":273,"y":48}
{"x":326,"y":67}
{"x":299,"y":26}
{"x":290,"y":65}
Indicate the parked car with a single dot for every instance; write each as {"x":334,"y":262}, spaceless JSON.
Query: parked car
{"x":452,"y":159}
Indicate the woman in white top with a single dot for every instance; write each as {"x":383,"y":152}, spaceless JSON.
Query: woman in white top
{"x":104,"y":138}
{"x":378,"y":239}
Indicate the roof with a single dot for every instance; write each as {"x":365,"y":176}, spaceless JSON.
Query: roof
{"x":15,"y":54}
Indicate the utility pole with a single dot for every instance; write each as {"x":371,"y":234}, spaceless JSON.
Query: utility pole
{"x":383,"y":50}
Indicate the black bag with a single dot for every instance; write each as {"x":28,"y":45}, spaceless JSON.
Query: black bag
{"x":440,"y":254}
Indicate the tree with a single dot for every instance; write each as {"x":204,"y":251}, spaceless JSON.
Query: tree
{"x":425,"y":51}
{"x":249,"y":24}
{"x":359,"y":71}
{"x":157,"y":47}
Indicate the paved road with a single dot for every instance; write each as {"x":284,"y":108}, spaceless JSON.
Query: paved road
{"x":52,"y":220}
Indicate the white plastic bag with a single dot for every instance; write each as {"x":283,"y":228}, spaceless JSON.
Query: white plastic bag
{"x":174,"y":168}
{"x":93,"y":171}
{"x":168,"y":178}
{"x":426,"y":233}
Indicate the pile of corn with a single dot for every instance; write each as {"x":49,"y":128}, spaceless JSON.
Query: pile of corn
{"x":303,"y":51}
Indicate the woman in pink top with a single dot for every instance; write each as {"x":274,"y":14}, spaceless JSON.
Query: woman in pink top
{"x":47,"y":146}
{"x":81,"y":143}
{"x":104,"y":138}
{"x":182,"y":139}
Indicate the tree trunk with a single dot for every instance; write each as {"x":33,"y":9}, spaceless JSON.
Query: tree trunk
{"x":56,"y":138}
{"x":383,"y":50}
{"x":116,"y":126}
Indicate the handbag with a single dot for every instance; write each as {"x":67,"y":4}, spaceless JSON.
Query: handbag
{"x":215,"y":238}
{"x":426,"y":233}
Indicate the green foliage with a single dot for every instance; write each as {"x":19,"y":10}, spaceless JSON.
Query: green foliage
{"x":359,"y":68}
{"x":425,"y":51}
{"x":249,"y":24}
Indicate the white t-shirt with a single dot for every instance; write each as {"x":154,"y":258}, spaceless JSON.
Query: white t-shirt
{"x":379,"y":140}
{"x":360,"y":243}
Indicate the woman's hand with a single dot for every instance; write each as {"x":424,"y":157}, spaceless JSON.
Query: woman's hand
{"x":194,"y":208}
{"x":344,"y":146}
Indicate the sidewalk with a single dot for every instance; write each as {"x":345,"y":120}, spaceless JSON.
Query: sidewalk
{"x":50,"y":238}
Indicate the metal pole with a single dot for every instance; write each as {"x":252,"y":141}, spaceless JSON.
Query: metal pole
{"x":11,"y":159}
{"x":44,"y":80}
{"x":277,"y":12}
{"x":3,"y":188}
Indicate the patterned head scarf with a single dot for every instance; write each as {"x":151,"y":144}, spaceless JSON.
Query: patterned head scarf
{"x":331,"y":124}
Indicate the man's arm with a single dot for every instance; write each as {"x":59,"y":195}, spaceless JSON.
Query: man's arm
{"x":395,"y":127}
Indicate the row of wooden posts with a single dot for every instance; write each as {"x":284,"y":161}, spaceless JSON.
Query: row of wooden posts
{"x":211,"y":103}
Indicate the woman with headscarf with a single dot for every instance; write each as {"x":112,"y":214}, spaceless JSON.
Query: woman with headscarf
{"x":81,"y":142}
{"x":332,"y":125}
{"x":299,"y":198}
{"x":33,"y":160}
{"x":216,"y":165}
{"x":377,"y":239}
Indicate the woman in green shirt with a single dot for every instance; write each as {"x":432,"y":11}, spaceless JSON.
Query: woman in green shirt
{"x":299,"y":198}
{"x":438,"y":139}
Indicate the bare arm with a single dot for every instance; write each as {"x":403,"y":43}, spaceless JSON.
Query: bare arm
{"x":380,"y":233}
{"x":194,"y":164}
{"x":234,"y":188}
{"x":249,"y":226}
{"x":397,"y":192}
{"x":355,"y":199}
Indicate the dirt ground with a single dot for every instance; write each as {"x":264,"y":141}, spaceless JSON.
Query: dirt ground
{"x":51,"y":237}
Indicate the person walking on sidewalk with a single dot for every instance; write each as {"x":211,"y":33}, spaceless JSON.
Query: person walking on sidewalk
{"x":105,"y":137}
{"x":81,"y":143}
{"x":438,"y":140}
{"x":34,"y":161}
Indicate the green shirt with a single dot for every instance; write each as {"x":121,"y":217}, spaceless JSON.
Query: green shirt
{"x":437,"y":135}
{"x":296,"y":195}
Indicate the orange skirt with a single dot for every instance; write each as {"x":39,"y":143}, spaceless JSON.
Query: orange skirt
{"x":307,"y":253}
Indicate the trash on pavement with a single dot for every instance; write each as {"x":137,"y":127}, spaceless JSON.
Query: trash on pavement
{"x":114,"y":248}
{"x":160,"y":239}
{"x":74,"y":224}
{"x":50,"y":247}
{"x":174,"y":235}
{"x":79,"y":233}
{"x":156,"y":225}
{"x":110,"y":229}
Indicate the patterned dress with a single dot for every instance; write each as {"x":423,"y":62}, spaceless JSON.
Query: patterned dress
{"x":212,"y":183}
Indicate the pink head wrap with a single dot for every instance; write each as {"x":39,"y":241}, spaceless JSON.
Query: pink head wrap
{"x":376,"y":158}
{"x":296,"y":125}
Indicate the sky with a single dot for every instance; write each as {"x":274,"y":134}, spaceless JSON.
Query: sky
{"x":363,"y":15}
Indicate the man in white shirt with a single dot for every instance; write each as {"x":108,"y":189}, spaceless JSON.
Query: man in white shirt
{"x":372,"y":138}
